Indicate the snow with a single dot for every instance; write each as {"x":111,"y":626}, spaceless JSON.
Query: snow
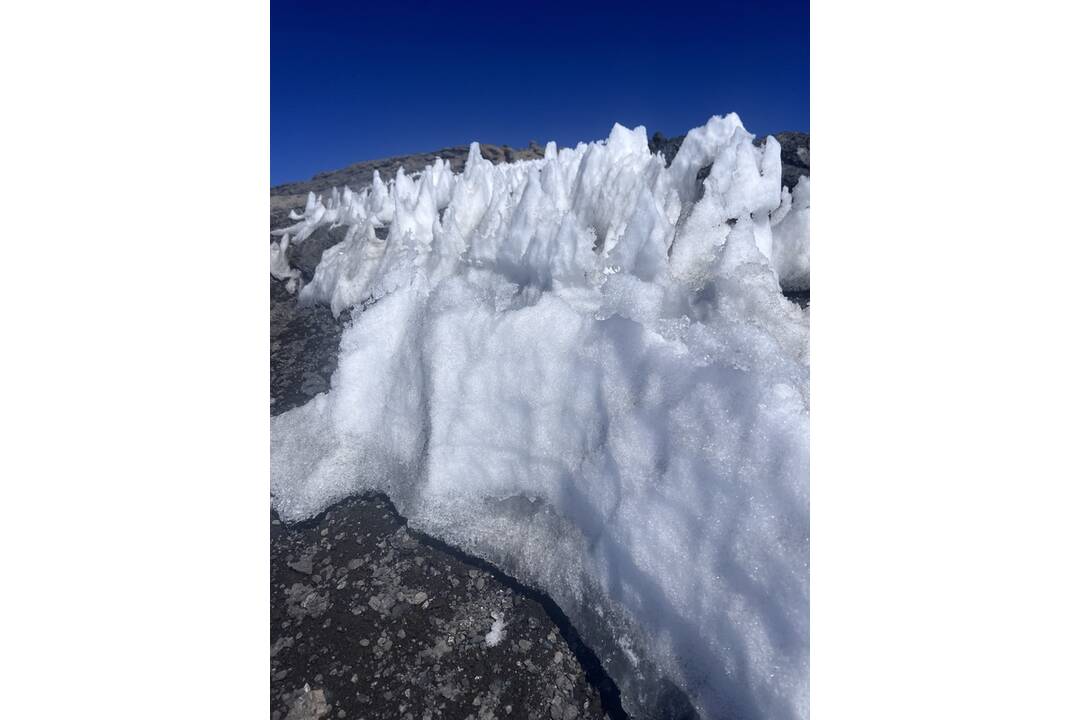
{"x":279,"y":264}
{"x":791,"y":235}
{"x":497,"y":632}
{"x":583,"y":369}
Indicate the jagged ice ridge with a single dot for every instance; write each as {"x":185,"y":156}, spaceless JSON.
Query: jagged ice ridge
{"x":583,"y":369}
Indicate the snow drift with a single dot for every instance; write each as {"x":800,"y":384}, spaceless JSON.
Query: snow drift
{"x":583,"y":369}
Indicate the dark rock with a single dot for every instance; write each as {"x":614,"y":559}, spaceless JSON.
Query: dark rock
{"x":309,"y":705}
{"x":402,"y":652}
{"x":303,"y":565}
{"x":305,"y":256}
{"x":304,"y":342}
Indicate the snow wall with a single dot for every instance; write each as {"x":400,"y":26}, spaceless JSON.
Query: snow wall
{"x":583,"y":369}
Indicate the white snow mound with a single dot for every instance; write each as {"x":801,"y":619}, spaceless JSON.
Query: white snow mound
{"x":583,"y":369}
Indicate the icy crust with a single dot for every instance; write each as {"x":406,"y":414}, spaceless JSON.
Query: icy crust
{"x":279,"y":264}
{"x":583,"y":369}
{"x":791,"y":235}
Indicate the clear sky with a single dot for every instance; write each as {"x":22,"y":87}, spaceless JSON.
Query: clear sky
{"x":363,"y":80}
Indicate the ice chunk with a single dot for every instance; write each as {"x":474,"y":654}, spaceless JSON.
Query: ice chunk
{"x":279,"y":264}
{"x":497,"y":632}
{"x":791,"y":240}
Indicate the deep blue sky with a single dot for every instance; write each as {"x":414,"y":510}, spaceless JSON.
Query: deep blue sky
{"x":356,"y":81}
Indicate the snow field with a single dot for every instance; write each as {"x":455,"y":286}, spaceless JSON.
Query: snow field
{"x":583,"y":369}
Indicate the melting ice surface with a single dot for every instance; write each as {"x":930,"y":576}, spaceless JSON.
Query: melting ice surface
{"x":583,"y":369}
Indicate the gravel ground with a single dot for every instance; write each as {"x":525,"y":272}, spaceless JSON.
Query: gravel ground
{"x":370,"y":620}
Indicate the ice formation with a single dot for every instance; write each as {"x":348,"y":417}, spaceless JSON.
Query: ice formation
{"x":497,"y":632}
{"x":583,"y":369}
{"x":791,"y":236}
{"x":279,"y":264}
